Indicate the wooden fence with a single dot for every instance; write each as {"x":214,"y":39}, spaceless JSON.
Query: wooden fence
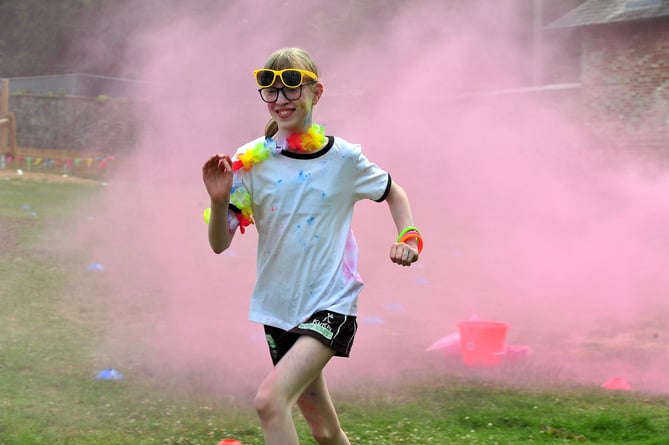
{"x":7,"y":123}
{"x":42,"y":159}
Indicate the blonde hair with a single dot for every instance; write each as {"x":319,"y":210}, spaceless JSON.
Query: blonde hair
{"x":288,"y":58}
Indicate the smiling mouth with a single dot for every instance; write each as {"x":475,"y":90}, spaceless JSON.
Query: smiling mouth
{"x":284,"y":112}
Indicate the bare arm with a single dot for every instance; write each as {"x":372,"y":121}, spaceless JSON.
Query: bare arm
{"x":217,"y":177}
{"x":398,"y":202}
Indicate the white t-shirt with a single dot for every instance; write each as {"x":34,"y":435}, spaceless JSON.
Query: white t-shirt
{"x":302,"y":205}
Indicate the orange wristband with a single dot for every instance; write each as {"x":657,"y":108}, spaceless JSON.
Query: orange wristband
{"x":413,"y":234}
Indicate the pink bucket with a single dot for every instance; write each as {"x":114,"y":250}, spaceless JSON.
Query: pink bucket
{"x":482,"y":343}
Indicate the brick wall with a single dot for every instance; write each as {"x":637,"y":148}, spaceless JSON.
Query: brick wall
{"x":625,"y":78}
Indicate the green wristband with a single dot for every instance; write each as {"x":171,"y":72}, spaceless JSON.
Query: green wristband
{"x":404,"y":232}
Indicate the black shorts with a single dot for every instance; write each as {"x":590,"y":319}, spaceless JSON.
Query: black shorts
{"x":334,"y":330}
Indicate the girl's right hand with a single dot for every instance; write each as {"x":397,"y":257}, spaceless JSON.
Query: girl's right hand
{"x":217,"y":176}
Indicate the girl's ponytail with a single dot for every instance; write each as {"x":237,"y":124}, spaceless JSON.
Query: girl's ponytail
{"x":271,"y":128}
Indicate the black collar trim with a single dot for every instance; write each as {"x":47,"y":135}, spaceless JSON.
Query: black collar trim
{"x":313,"y":155}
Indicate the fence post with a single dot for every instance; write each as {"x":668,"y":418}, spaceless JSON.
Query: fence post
{"x":4,"y":113}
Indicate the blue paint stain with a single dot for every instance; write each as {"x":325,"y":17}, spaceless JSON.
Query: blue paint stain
{"x":279,"y":181}
{"x":301,"y":176}
{"x":322,"y":195}
{"x":310,"y":220}
{"x":299,"y":226}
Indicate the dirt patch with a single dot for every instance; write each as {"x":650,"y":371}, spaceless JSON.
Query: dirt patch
{"x":11,"y":230}
{"x":45,"y":177}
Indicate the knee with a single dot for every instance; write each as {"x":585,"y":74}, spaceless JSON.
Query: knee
{"x":326,"y":435}
{"x":265,"y":405}
{"x":270,"y":404}
{"x":323,"y":436}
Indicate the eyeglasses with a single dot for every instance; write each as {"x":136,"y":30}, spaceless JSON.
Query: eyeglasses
{"x":290,"y":77}
{"x":271,"y":94}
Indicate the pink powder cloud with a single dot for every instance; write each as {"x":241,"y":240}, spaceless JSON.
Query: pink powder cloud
{"x":522,"y":222}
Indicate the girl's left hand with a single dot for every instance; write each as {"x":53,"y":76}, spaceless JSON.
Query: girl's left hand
{"x":403,"y":254}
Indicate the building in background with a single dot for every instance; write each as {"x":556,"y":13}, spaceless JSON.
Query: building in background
{"x":623,"y":48}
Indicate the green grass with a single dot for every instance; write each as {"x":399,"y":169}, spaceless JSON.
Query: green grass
{"x":53,"y":312}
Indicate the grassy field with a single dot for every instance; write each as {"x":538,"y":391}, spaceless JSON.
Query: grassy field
{"x":51,"y":318}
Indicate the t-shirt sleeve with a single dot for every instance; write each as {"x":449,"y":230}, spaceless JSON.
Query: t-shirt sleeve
{"x":371,"y":181}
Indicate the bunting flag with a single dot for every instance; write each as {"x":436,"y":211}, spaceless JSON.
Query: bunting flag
{"x":43,"y":163}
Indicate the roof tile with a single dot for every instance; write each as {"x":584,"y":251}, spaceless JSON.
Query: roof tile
{"x":597,"y":12}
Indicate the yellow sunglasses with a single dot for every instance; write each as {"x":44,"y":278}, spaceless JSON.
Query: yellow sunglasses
{"x":290,"y":77}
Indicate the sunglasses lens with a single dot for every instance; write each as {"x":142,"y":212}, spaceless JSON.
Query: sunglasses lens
{"x":291,"y":78}
{"x":265,"y":78}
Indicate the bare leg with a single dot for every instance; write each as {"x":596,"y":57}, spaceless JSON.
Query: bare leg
{"x":280,"y":390}
{"x":316,"y":406}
